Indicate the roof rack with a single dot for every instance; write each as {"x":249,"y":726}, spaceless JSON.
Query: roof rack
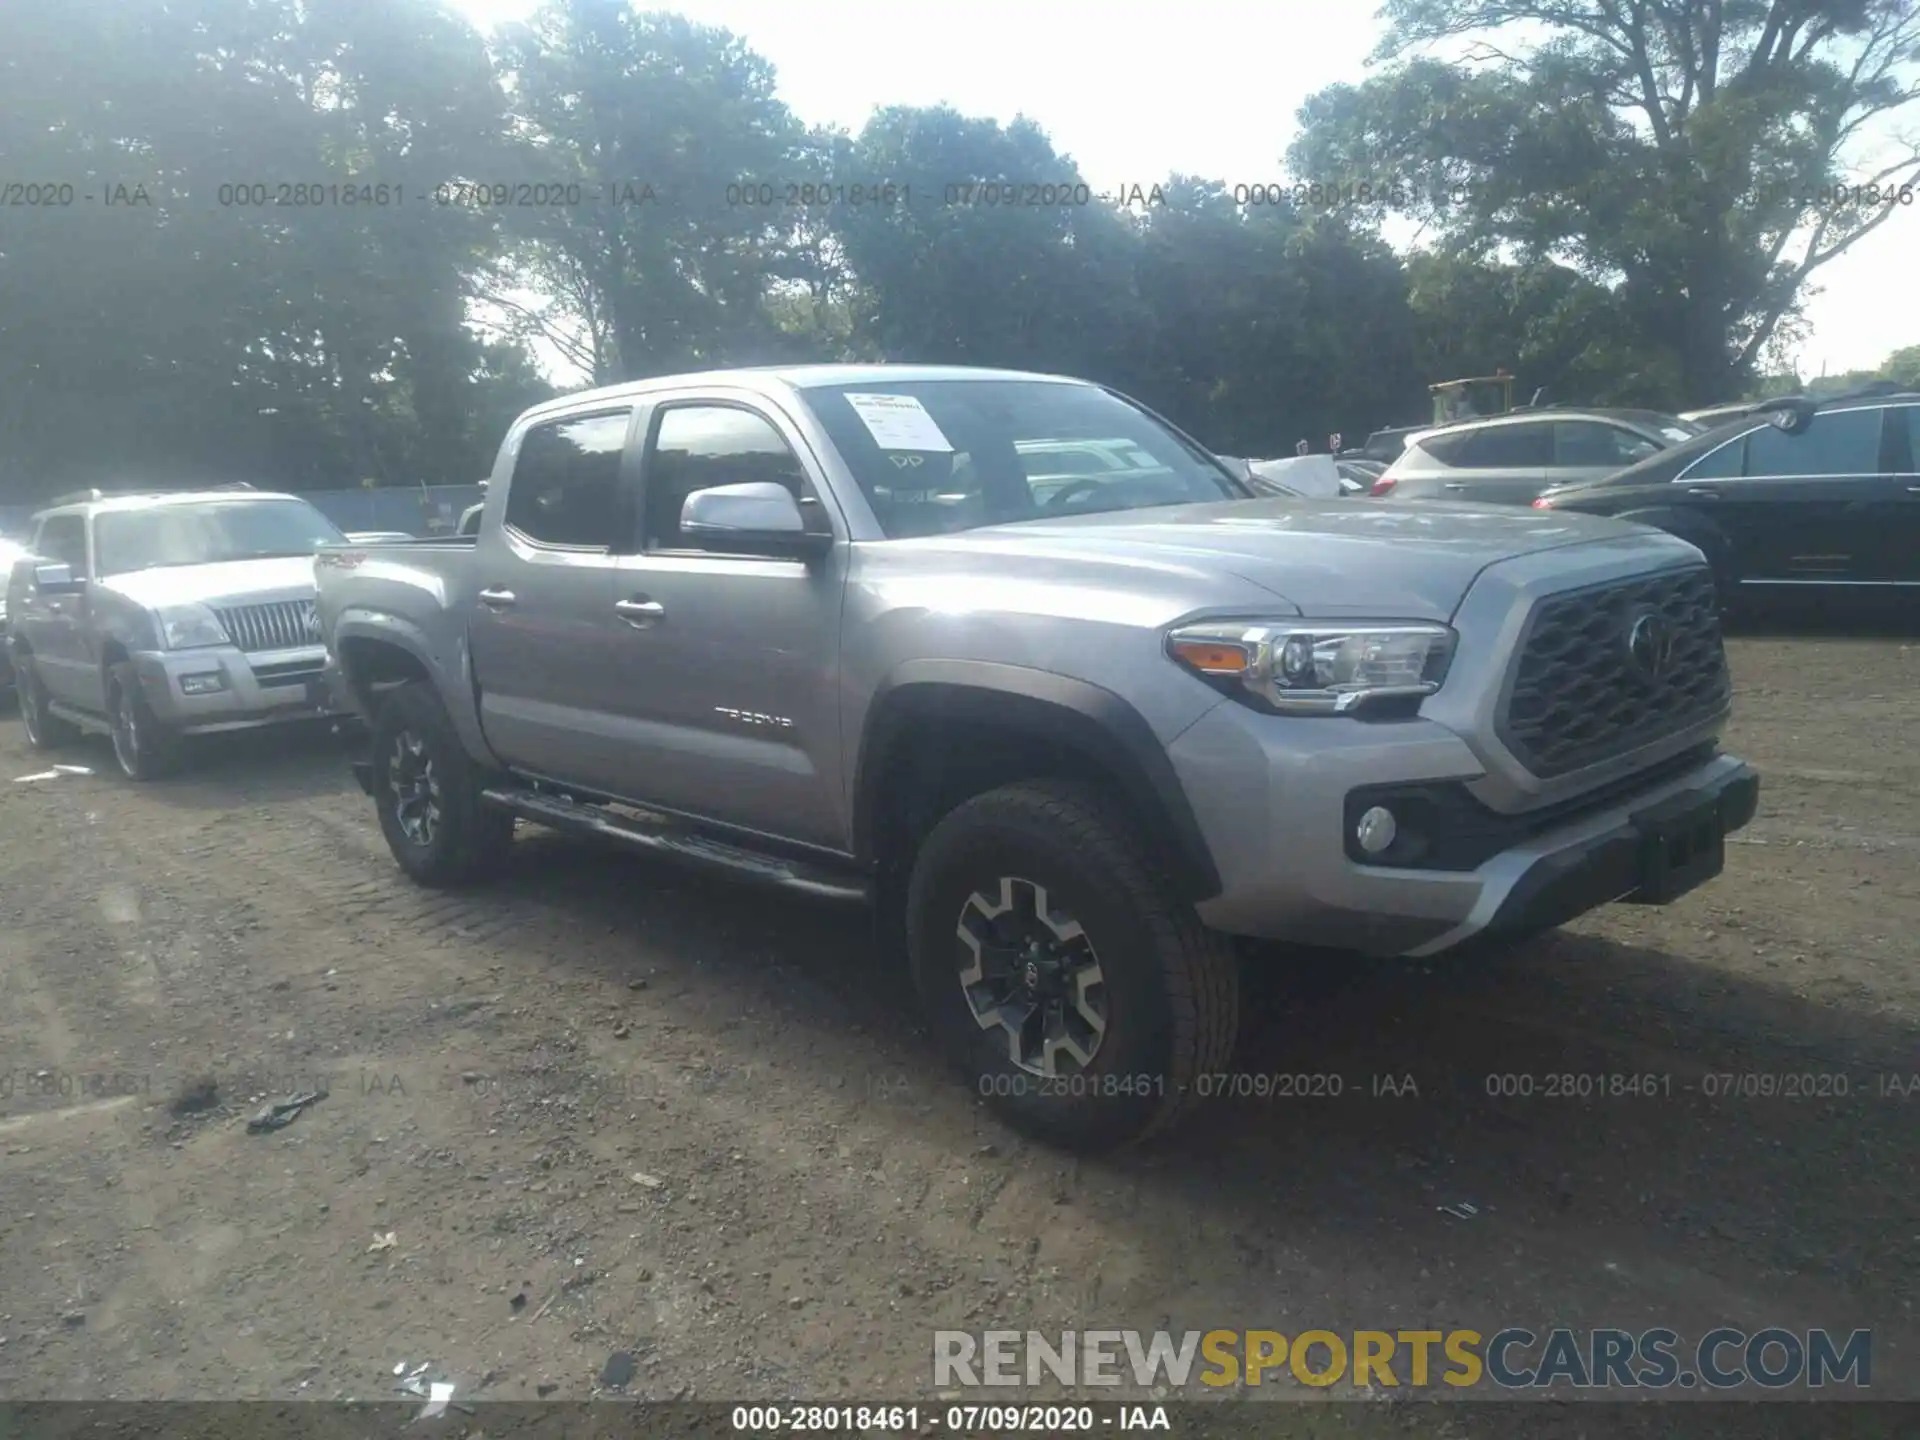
{"x":1872,"y":390}
{"x":74,"y":497}
{"x":88,"y":496}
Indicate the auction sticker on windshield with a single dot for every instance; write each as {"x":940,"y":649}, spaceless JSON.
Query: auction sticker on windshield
{"x":899,"y":422}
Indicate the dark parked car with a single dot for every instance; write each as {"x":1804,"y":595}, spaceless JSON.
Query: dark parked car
{"x":1823,"y":495}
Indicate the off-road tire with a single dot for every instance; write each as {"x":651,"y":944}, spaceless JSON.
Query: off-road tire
{"x":45,"y":730}
{"x":469,"y":838}
{"x":143,"y":747}
{"x":1172,"y":986}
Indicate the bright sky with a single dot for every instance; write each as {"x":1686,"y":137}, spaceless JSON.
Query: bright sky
{"x":1206,"y":87}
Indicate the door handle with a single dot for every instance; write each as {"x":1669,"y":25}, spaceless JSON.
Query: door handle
{"x":1453,"y":485}
{"x":1703,"y":492}
{"x":496,"y":599}
{"x":639,"y":613}
{"x":1913,"y":489}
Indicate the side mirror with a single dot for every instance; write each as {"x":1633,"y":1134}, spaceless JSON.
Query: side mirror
{"x":56,"y":580}
{"x":757,"y":518}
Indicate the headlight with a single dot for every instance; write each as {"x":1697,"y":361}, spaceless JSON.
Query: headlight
{"x":1303,"y":668}
{"x":189,"y":627}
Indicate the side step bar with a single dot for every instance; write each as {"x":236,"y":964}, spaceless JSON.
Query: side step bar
{"x":82,"y":720}
{"x":661,"y":838}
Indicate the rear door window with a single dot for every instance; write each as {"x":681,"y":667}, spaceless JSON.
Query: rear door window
{"x":566,"y":482}
{"x":1510,"y":447}
{"x":1589,"y":444}
{"x":1845,"y":442}
{"x":1447,"y":449}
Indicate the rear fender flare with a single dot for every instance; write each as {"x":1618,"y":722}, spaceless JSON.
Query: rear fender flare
{"x":454,"y":682}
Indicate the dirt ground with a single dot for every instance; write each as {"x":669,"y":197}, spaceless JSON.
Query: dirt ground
{"x":693,"y":1122}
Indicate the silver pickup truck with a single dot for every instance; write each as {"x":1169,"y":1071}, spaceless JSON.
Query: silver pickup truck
{"x":1015,"y":661}
{"x":157,"y":616}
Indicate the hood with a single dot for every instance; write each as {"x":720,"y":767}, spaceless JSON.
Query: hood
{"x":1333,"y":559}
{"x":283,"y":578}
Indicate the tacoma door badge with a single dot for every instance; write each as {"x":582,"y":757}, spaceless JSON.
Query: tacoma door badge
{"x":754,"y":718}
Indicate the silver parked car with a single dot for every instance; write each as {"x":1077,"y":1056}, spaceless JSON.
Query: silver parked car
{"x":841,"y":630}
{"x":1510,"y":459}
{"x":152,"y":617}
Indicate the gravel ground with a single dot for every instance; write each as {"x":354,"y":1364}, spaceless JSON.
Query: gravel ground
{"x":609,"y":1106}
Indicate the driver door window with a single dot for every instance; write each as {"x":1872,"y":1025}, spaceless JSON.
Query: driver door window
{"x":697,"y":447}
{"x":63,"y":540}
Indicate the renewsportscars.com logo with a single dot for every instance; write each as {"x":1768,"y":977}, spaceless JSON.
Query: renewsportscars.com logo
{"x":1511,"y":1359}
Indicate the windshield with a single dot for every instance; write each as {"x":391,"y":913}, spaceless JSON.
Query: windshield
{"x":936,"y":456}
{"x":207,"y":532}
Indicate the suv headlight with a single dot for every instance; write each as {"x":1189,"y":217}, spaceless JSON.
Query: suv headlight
{"x":1298,"y":667}
{"x":190,"y":627}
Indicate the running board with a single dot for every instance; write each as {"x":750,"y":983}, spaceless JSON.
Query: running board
{"x":661,"y":839}
{"x":87,"y":721}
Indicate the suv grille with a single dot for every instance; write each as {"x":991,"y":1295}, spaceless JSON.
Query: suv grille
{"x":277,"y":625}
{"x":1581,"y":694}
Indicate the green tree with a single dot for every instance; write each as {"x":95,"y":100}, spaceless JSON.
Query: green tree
{"x":954,"y":270}
{"x":1548,"y":325}
{"x":1260,"y":325}
{"x":1689,"y":155}
{"x":669,"y":128}
{"x":185,"y":336}
{"x":1903,"y":366}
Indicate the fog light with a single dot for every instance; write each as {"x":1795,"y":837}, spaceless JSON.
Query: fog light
{"x":202,"y":684}
{"x":1376,"y":830}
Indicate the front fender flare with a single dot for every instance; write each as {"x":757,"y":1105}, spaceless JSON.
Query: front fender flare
{"x":1097,"y":721}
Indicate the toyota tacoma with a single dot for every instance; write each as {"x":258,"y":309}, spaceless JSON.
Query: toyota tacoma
{"x":1016,"y":662}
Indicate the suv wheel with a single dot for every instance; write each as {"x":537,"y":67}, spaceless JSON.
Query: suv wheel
{"x":45,"y":730}
{"x":145,"y":748}
{"x":1073,"y":988}
{"x":427,"y":791}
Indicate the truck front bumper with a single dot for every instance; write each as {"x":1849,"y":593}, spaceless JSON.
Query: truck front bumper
{"x":1277,"y":802}
{"x":220,"y":688}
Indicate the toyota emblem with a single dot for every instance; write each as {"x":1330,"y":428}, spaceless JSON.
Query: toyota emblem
{"x":1650,"y":645}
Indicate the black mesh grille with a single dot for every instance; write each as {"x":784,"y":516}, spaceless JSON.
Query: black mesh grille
{"x":1580,"y":697}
